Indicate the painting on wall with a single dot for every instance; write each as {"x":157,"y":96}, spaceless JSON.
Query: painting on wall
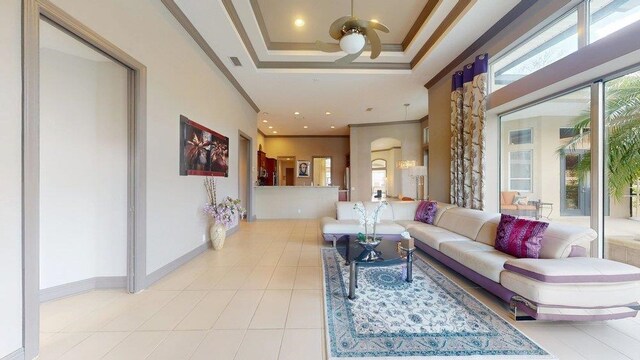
{"x":202,"y":150}
{"x":304,"y":168}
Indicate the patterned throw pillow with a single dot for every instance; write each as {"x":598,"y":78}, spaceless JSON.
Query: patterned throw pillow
{"x":426,"y":212}
{"x":519,"y":237}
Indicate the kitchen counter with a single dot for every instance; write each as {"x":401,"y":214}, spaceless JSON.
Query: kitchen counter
{"x":295,"y":202}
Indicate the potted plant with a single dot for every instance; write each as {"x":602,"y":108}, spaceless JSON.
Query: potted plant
{"x":223,"y":214}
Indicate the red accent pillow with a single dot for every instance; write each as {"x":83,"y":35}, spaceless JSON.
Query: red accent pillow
{"x":426,"y":212}
{"x":519,"y":237}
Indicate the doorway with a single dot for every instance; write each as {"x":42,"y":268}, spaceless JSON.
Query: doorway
{"x":286,"y":170}
{"x":83,"y":167}
{"x":35,"y":13}
{"x":244,"y":174}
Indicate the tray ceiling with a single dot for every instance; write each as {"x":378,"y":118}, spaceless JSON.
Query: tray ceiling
{"x":282,"y":73}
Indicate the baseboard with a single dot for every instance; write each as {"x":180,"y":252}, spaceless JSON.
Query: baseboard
{"x":77,"y":287}
{"x":16,"y":355}
{"x":172,"y":266}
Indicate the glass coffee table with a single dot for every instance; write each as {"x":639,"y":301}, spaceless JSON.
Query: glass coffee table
{"x":388,"y":253}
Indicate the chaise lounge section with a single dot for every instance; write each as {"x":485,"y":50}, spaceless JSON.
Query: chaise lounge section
{"x":563,"y":284}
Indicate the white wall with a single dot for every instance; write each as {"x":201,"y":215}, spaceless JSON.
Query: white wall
{"x":181,"y":80}
{"x":83,"y":167}
{"x":410,"y":136}
{"x":11,"y":179}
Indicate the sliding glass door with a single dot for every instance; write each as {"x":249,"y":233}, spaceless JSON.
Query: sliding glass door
{"x":622,"y":168}
{"x":545,"y":160}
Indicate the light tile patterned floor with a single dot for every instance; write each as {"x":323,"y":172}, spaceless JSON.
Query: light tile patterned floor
{"x":260,"y":298}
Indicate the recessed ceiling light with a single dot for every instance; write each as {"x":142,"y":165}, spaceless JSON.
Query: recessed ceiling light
{"x":369,"y":109}
{"x":327,"y":113}
{"x":296,"y":113}
{"x":275,"y":132}
{"x":333,"y":127}
{"x":270,"y":127}
{"x":306,"y":127}
{"x":374,"y":20}
{"x":264,"y":121}
{"x":299,"y":22}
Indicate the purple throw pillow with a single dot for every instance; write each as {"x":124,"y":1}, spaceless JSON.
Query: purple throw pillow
{"x":519,"y":237}
{"x":426,"y":212}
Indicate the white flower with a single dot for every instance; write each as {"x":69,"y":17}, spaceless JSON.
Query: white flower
{"x":405,"y":235}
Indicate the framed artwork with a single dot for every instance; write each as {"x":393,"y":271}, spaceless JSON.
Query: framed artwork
{"x":202,"y":151}
{"x":304,"y":168}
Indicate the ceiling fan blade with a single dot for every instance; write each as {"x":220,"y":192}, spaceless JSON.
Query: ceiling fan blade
{"x":326,"y":47}
{"x":374,"y":40}
{"x":372,"y":24}
{"x":335,"y":30}
{"x":349,"y":58}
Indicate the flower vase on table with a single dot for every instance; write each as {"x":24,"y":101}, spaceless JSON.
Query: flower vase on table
{"x":369,"y":239}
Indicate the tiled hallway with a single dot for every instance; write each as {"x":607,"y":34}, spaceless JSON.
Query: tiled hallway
{"x":259,"y":298}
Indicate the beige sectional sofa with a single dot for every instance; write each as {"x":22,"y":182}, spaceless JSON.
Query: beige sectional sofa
{"x":564,"y":284}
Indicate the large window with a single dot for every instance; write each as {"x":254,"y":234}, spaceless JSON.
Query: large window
{"x":609,"y":16}
{"x":547,"y":46}
{"x":563,"y":37}
{"x":544,"y":172}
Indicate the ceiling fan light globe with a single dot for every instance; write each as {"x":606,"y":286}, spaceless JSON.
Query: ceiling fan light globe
{"x":352,"y":43}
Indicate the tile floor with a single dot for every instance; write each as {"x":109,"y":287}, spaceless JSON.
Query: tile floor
{"x":259,"y":298}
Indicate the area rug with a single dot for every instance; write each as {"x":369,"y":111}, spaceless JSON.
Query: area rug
{"x":431,"y":317}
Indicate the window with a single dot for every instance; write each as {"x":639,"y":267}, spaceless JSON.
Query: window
{"x":519,"y":137}
{"x":609,"y":16}
{"x":563,"y":37}
{"x":547,"y":46}
{"x":569,"y":132}
{"x":520,"y":171}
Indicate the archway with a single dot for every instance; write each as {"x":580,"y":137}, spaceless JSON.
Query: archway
{"x":385,"y":178}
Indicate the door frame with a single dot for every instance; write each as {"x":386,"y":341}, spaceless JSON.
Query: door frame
{"x":250,"y":152}
{"x":32,"y":12}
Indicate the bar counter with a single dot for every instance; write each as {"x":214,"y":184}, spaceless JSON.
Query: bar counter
{"x":295,"y":202}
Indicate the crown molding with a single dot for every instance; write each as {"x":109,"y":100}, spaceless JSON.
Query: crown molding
{"x":388,"y":123}
{"x":182,"y":19}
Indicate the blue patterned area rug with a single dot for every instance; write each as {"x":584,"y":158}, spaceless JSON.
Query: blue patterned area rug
{"x":431,"y":318}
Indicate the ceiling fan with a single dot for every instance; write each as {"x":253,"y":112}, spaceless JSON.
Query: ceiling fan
{"x":353,"y":33}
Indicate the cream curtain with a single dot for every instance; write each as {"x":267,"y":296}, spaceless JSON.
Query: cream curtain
{"x":468,"y":105}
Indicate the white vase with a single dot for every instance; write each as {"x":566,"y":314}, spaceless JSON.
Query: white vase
{"x":217,"y":233}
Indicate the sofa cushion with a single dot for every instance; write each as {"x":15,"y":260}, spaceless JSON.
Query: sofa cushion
{"x":407,"y":224}
{"x":442,"y":208}
{"x":404,"y":210}
{"x":435,"y":236}
{"x":520,"y":237}
{"x":506,"y":197}
{"x":453,"y":249}
{"x":466,"y":222}
{"x":487,"y":234}
{"x":559,"y":239}
{"x":478,"y":257}
{"x":574,"y":270}
{"x":384,"y":214}
{"x":345,"y":210}
{"x":572,"y":295}
{"x":426,"y":212}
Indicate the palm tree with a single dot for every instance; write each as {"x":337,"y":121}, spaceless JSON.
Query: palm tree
{"x":622,"y":128}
